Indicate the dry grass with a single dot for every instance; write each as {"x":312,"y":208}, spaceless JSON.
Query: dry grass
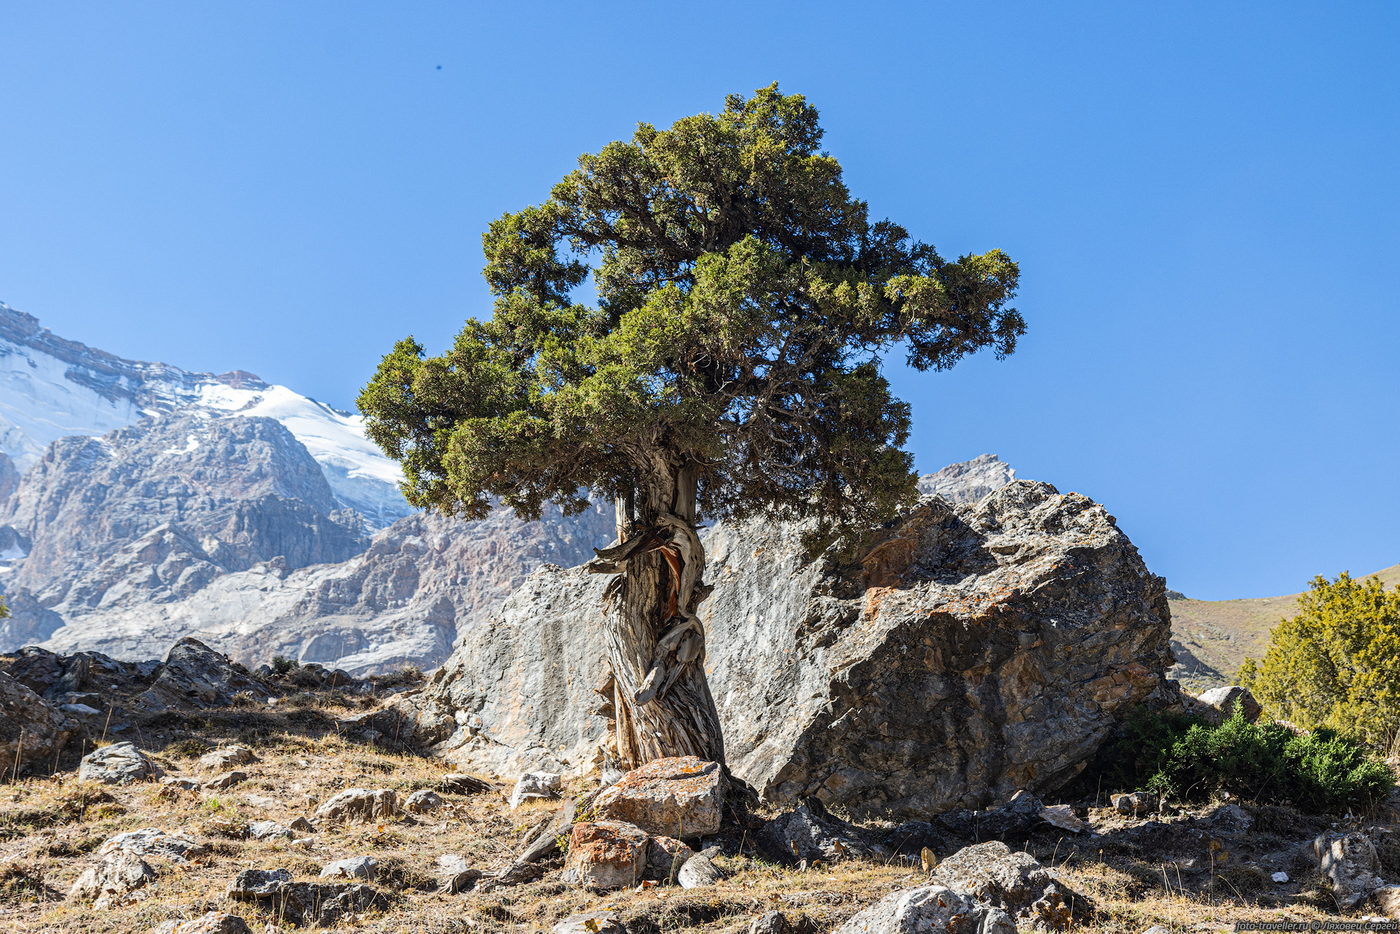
{"x":50,"y":829}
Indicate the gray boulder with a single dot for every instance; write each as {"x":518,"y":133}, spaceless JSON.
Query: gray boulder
{"x":32,"y":732}
{"x":304,"y":902}
{"x":1351,"y":866}
{"x":359,"y":804}
{"x":914,"y":678}
{"x":1218,"y":704}
{"x":929,"y":908}
{"x":356,"y":867}
{"x":156,"y":843}
{"x":1015,"y":882}
{"x":118,"y":764}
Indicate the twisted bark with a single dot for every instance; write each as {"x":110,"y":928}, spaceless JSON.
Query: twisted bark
{"x":661,"y":703}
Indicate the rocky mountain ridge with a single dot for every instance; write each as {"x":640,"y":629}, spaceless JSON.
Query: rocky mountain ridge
{"x":52,"y":388}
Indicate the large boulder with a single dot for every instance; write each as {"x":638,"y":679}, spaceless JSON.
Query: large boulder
{"x":965,"y":652}
{"x":118,"y":764}
{"x":32,"y":732}
{"x":1015,"y":882}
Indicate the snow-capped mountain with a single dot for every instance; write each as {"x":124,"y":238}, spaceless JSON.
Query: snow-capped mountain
{"x":53,"y":388}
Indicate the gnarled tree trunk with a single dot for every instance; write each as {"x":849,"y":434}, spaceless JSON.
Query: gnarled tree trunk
{"x":660,"y":699}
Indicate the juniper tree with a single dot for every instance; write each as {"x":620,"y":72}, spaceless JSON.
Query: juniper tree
{"x":730,"y":365}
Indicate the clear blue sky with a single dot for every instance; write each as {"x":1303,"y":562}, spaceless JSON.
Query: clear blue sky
{"x":1204,"y":198}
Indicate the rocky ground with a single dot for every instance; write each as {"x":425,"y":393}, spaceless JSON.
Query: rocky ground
{"x":198,"y":797}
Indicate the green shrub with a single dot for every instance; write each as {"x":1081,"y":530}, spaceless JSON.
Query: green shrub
{"x":1188,"y":760}
{"x":1336,"y":664}
{"x":282,"y":665}
{"x":1318,"y":771}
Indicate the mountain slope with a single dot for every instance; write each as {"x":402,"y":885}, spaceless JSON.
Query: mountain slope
{"x":1214,"y":637}
{"x":52,"y":388}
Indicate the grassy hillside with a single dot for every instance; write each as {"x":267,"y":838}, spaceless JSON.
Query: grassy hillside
{"x":1213,"y":637}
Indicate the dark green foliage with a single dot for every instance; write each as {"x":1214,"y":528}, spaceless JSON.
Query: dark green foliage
{"x":1184,"y":759}
{"x":745,"y":305}
{"x":282,"y":665}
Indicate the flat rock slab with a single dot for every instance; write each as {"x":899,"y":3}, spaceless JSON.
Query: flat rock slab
{"x":677,"y":797}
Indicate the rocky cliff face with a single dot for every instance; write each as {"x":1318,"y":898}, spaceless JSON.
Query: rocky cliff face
{"x":973,"y":650}
{"x":155,"y":512}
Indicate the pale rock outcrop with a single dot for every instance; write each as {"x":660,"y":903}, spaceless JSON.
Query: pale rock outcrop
{"x":963,"y":653}
{"x":676,"y":797}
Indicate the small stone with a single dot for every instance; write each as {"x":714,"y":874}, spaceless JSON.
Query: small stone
{"x":1157,"y":929}
{"x":423,"y":801}
{"x":356,"y":867}
{"x":698,"y":872}
{"x":1220,"y":703}
{"x":302,"y":825}
{"x":454,"y":875}
{"x":225,"y":757}
{"x":606,"y":855}
{"x":225,"y":781}
{"x":677,"y":797}
{"x":118,"y":764}
{"x":536,"y":785}
{"x":360,"y":804}
{"x":1280,"y":877}
{"x":1063,"y":817}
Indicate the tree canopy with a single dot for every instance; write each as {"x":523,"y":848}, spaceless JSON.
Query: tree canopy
{"x":745,"y":304}
{"x":1337,"y":662}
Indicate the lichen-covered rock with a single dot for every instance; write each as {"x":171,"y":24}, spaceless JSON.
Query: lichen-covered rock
{"x":359,"y":804}
{"x":355,"y":867}
{"x":605,"y":855}
{"x":970,"y":651}
{"x":118,"y":764}
{"x":698,"y":872}
{"x":32,"y":732}
{"x":1015,"y":882}
{"x":929,"y":908}
{"x":676,"y":797}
